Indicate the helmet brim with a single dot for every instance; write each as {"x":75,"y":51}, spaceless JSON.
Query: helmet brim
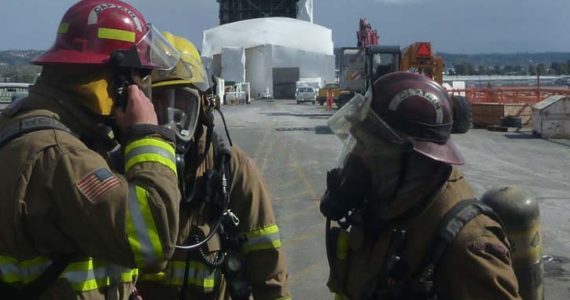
{"x":446,"y":153}
{"x":59,"y":56}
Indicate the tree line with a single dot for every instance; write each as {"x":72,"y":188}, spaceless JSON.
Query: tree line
{"x":555,"y":68}
{"x":19,"y":73}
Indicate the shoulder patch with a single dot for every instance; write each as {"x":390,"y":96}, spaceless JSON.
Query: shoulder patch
{"x":97,"y":183}
{"x":499,"y":251}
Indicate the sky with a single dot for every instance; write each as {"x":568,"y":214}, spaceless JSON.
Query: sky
{"x":453,"y":26}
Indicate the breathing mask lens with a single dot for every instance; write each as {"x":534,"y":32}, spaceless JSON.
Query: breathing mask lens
{"x":177,"y":109}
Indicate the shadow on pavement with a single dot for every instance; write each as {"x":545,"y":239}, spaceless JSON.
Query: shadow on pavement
{"x":520,"y":136}
{"x":290,"y":114}
{"x":529,"y":136}
{"x":316,"y":129}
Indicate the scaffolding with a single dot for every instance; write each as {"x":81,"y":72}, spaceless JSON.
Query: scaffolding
{"x":238,"y":10}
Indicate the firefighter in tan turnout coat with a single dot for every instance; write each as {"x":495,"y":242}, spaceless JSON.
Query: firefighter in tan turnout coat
{"x":408,"y":224}
{"x":242,"y":253}
{"x":74,"y":224}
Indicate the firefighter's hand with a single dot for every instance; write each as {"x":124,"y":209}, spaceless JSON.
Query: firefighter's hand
{"x":138,"y":111}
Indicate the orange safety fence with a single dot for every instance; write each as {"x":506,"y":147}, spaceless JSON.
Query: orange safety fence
{"x":528,"y":95}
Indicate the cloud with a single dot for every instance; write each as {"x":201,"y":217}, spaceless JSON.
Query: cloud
{"x":399,"y":2}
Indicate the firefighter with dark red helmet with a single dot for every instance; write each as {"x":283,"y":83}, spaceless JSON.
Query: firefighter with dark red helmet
{"x":77,"y":218}
{"x":407,"y":223}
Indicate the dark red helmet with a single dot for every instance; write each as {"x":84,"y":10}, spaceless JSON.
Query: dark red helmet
{"x":420,"y":108}
{"x":92,"y":30}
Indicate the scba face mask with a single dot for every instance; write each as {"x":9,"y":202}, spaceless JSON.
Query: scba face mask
{"x":177,"y":109}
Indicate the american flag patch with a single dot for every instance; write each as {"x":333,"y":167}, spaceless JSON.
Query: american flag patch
{"x":97,"y":183}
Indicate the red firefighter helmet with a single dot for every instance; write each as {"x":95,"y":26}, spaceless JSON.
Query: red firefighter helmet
{"x":420,"y":108}
{"x":92,"y":30}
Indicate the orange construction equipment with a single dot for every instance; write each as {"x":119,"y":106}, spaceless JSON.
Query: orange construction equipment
{"x":366,"y":35}
{"x":419,"y":58}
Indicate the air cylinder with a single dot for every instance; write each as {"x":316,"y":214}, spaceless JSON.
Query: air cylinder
{"x":520,"y":214}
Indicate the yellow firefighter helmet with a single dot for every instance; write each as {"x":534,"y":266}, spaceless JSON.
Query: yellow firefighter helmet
{"x":189,"y":70}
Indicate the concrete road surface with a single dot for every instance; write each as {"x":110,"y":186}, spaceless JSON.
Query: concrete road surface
{"x":293,"y":149}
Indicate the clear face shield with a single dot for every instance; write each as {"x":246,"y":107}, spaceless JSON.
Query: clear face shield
{"x":134,"y":66}
{"x":364,"y":133}
{"x":177,"y":108}
{"x":371,"y":160}
{"x":155,"y":52}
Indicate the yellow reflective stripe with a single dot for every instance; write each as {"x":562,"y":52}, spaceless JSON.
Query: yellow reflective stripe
{"x":82,"y":276}
{"x":116,"y":34}
{"x":13,"y":270}
{"x":149,"y":142}
{"x":342,"y":244}
{"x":150,"y":157}
{"x":262,"y":239}
{"x":129,"y":275}
{"x":338,"y":297}
{"x":263,"y":231}
{"x":141,"y":229}
{"x":162,"y":276}
{"x":284,"y":298}
{"x":150,"y":150}
{"x":63,"y":28}
{"x":199,"y":275}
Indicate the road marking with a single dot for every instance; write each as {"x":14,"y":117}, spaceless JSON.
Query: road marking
{"x":294,"y":277}
{"x":309,"y":208}
{"x":270,"y":143}
{"x":302,"y":175}
{"x":261,"y":145}
{"x":297,"y":238}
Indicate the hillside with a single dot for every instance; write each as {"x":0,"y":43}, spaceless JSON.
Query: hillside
{"x":15,"y":67}
{"x":515,"y":59}
{"x":17,"y":57}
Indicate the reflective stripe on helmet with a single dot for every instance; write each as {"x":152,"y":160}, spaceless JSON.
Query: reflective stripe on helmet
{"x":262,"y":239}
{"x":116,"y":34}
{"x":150,"y":150}
{"x":63,"y":28}
{"x":83,"y":276}
{"x":199,"y":275}
{"x":141,"y":229}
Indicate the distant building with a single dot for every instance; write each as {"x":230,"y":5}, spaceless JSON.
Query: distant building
{"x":272,"y":54}
{"x":239,"y":10}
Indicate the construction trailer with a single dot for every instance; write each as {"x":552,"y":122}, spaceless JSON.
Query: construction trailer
{"x":239,"y":10}
{"x":551,"y":117}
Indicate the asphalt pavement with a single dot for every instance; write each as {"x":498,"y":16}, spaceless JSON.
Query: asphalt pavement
{"x":293,"y":149}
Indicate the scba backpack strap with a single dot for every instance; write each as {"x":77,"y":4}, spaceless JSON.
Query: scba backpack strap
{"x":29,"y":125}
{"x":449,"y":227}
{"x":421,"y":286}
{"x":36,"y":288}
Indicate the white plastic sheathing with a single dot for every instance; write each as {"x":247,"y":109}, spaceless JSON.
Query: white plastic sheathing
{"x":277,"y":31}
{"x":305,"y":10}
{"x":233,"y":64}
{"x":261,"y":60}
